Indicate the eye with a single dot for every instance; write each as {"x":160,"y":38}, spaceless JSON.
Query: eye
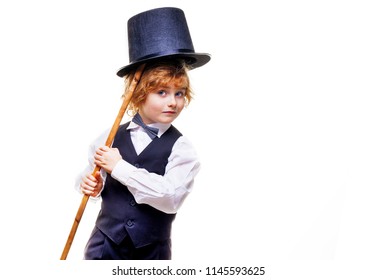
{"x":161,"y":92}
{"x":180,"y":94}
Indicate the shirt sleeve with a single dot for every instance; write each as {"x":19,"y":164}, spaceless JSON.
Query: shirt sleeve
{"x":165,"y":193}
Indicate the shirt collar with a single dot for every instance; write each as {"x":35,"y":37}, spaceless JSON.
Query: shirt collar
{"x":162,"y":127}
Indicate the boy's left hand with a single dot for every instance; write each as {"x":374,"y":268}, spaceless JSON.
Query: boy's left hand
{"x":107,"y":158}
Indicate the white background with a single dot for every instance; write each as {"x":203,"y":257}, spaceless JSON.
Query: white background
{"x":284,"y":119}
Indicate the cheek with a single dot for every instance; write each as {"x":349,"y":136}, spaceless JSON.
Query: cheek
{"x":151,"y":103}
{"x":181,"y":103}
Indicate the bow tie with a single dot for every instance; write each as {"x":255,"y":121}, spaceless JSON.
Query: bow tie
{"x":151,"y":131}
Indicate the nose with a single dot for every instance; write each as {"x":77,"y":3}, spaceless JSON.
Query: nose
{"x":172,"y":102}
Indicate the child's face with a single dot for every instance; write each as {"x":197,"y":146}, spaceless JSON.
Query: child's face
{"x":163,"y":105}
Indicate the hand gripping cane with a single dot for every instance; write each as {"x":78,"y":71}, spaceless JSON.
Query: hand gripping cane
{"x":109,"y":141}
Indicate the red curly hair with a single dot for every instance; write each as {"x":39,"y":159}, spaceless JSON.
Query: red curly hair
{"x":157,"y":75}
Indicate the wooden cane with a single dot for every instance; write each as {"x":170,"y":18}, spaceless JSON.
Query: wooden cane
{"x":109,"y":141}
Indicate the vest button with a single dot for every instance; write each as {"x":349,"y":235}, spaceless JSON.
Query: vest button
{"x":137,"y":165}
{"x":132,"y":202}
{"x":130,"y":223}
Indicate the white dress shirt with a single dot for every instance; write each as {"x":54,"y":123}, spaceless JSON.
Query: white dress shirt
{"x":165,"y":193}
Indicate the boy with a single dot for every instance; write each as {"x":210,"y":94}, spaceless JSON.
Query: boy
{"x":151,"y":167}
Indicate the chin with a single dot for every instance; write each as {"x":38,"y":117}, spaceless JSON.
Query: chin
{"x":167,"y":119}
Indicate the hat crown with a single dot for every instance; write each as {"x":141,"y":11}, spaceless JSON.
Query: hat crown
{"x":158,"y":32}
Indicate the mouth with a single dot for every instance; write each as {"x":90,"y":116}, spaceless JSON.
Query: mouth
{"x":169,"y":112}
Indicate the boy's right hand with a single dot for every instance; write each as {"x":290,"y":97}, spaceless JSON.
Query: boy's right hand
{"x":92,"y":185}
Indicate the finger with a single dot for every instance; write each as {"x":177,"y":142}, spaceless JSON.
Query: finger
{"x":98,"y":153}
{"x":97,"y":176}
{"x":97,"y":157}
{"x":104,"y":149}
{"x":99,"y":163}
{"x":87,"y":192}
{"x":87,"y":185}
{"x":86,"y":189}
{"x":90,"y":181}
{"x":101,"y":150}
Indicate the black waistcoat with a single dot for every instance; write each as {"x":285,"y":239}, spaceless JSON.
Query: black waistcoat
{"x":120,"y":214}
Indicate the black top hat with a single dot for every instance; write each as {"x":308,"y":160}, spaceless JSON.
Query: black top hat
{"x":160,"y":34}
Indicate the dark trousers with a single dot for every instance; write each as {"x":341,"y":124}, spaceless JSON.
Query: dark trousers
{"x":100,"y":247}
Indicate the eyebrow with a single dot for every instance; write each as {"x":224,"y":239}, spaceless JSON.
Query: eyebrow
{"x":177,"y":88}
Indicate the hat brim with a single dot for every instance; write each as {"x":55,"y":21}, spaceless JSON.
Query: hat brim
{"x":194,"y":60}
